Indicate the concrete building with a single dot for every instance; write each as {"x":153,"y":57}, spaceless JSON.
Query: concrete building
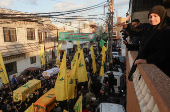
{"x":21,"y":40}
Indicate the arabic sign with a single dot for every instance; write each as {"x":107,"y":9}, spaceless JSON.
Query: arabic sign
{"x":77,"y":36}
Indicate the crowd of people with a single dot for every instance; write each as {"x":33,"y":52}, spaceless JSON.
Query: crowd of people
{"x":89,"y":91}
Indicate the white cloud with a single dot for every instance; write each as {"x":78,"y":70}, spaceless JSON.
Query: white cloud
{"x":65,"y":6}
{"x":33,"y":2}
{"x":6,"y":3}
{"x":121,"y":4}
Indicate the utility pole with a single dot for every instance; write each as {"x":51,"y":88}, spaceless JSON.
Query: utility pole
{"x":110,"y":32}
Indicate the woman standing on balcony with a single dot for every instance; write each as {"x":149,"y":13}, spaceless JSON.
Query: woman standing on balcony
{"x":155,"y":40}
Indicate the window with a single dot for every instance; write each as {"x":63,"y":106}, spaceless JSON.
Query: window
{"x":33,"y":59}
{"x":30,"y":34}
{"x":11,"y":68}
{"x":9,"y":34}
{"x":40,"y":36}
{"x":114,"y":33}
{"x":45,"y":35}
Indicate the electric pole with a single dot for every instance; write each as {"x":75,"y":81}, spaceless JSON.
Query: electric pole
{"x":110,"y":32}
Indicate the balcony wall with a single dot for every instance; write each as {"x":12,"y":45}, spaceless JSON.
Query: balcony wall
{"x":149,"y":94}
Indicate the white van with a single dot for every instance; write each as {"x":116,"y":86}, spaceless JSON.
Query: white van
{"x":110,"y":107}
{"x":119,"y":80}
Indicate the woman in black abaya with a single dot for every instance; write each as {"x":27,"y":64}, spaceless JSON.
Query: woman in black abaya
{"x":155,"y":40}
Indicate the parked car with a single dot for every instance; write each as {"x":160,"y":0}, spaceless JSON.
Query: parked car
{"x":110,"y":107}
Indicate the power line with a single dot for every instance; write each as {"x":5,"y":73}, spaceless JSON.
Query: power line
{"x":65,"y":12}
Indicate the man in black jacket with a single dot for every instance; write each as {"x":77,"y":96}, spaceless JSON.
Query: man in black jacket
{"x":111,"y":82}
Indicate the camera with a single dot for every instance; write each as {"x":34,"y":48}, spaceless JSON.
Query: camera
{"x":124,"y":35}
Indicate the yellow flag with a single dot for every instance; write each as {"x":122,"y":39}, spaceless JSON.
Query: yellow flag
{"x":78,"y":105}
{"x":71,"y":85}
{"x":61,"y":88}
{"x":42,"y":55}
{"x":103,"y":60}
{"x":81,"y":70}
{"x":73,"y":62}
{"x":3,"y":74}
{"x":78,"y":46}
{"x":93,"y":59}
{"x":58,"y":50}
{"x":30,"y":108}
{"x":65,"y":111}
{"x":89,"y":83}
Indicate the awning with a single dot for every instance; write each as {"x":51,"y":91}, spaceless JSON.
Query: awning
{"x":18,"y":49}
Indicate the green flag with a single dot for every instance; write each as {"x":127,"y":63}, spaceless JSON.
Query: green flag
{"x":102,"y":43}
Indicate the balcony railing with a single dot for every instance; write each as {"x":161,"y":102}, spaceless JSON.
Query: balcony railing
{"x":149,"y":94}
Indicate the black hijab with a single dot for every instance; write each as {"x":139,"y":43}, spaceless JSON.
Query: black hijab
{"x":161,"y":11}
{"x":154,"y":32}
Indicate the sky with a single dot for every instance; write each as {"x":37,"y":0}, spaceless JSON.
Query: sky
{"x":42,"y":6}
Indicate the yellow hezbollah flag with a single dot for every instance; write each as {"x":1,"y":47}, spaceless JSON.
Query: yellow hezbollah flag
{"x":3,"y":74}
{"x":65,"y":111}
{"x":58,"y":50}
{"x":61,"y":89}
{"x":93,"y":59}
{"x":73,"y":62}
{"x":42,"y":55}
{"x":81,"y":70}
{"x":31,"y":108}
{"x":103,"y":60}
{"x":78,"y":105}
{"x":89,"y":83}
{"x":71,"y":85}
{"x":78,"y":46}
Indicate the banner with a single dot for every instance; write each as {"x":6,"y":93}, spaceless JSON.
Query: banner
{"x":3,"y":74}
{"x":104,"y":49}
{"x":42,"y":55}
{"x":78,"y":105}
{"x":77,"y":36}
{"x":81,"y":70}
{"x":61,"y":88}
{"x":93,"y":59}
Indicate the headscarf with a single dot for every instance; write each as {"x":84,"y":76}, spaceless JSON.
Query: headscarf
{"x":152,"y":33}
{"x":161,"y":11}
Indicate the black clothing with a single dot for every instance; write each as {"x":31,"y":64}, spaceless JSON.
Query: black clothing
{"x":154,"y":47}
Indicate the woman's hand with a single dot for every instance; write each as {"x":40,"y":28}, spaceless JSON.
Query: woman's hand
{"x":120,"y":24}
{"x":140,"y":61}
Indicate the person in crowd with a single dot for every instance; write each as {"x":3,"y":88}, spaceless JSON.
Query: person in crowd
{"x":154,"y":47}
{"x":134,"y":39}
{"x":111,"y":82}
{"x":102,"y":97}
{"x":89,"y":95}
{"x":14,"y":80}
